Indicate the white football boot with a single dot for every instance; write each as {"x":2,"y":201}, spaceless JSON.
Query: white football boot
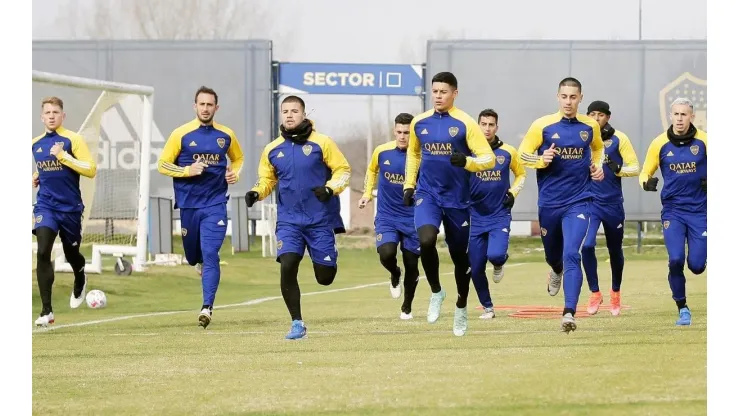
{"x":74,"y":302}
{"x":45,"y":320}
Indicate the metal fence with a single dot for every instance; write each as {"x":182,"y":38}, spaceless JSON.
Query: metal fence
{"x":239,"y":71}
{"x":519,"y":80}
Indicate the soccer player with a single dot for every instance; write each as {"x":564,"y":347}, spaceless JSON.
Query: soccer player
{"x":566,"y":150}
{"x":620,"y":161}
{"x":490,"y":213}
{"x":439,"y":156}
{"x":296,"y":163}
{"x":681,"y":155}
{"x":394,"y":222}
{"x":61,"y":156}
{"x":195,"y":156}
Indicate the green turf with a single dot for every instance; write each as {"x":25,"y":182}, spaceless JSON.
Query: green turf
{"x":359,"y":357}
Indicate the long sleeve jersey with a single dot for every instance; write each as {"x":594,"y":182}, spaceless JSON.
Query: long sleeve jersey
{"x":386,"y":170}
{"x":433,"y":138}
{"x":489,"y":187}
{"x":617,"y":148}
{"x":567,"y":179}
{"x":682,"y":168}
{"x":295,"y":169}
{"x":209,"y":144}
{"x":59,"y":176}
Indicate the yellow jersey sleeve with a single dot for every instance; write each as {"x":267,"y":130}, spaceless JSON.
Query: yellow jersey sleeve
{"x":652,"y":159}
{"x":701,"y":135}
{"x":630,"y":164}
{"x":597,"y":146}
{"x":235,"y":154}
{"x":266,"y":179}
{"x":337,"y":163}
{"x":477,"y":143}
{"x":166,"y":163}
{"x":528,"y":148}
{"x":82,"y":162}
{"x":371,"y":176}
{"x":516,"y":167}
{"x":413,"y":158}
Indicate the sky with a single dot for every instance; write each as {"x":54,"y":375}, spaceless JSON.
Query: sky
{"x":395,"y":31}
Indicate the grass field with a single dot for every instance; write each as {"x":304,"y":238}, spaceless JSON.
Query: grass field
{"x":359,"y":357}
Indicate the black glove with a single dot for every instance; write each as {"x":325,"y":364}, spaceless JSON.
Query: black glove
{"x":509,"y":200}
{"x":323,"y":193}
{"x":704,"y":184}
{"x":252,"y":197}
{"x":458,"y":159}
{"x":651,"y":185}
{"x":614,"y":166}
{"x":408,"y":197}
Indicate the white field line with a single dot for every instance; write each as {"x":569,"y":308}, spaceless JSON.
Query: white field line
{"x":233,"y":305}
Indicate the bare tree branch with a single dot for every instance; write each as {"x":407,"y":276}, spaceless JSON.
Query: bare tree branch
{"x":169,"y":19}
{"x":354,"y":149}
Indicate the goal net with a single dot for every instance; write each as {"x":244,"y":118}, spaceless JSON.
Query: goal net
{"x":115,"y":121}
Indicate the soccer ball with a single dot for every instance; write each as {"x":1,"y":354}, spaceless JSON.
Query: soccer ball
{"x":96,"y":299}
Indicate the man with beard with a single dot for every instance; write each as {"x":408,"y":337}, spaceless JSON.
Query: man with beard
{"x":607,"y":208}
{"x":296,"y":163}
{"x":681,"y":155}
{"x":195,"y":157}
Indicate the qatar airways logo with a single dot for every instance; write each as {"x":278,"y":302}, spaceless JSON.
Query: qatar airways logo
{"x":569,"y":153}
{"x":489,"y":175}
{"x":394,"y":178}
{"x":438,"y":149}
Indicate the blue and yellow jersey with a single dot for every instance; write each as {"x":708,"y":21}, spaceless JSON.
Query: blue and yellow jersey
{"x":617,"y":148}
{"x":210,"y":144}
{"x":386,"y":170}
{"x":683,"y":168}
{"x":488,"y":188}
{"x":567,"y":179}
{"x":433,"y":138}
{"x":298,"y":168}
{"x":59,"y":176}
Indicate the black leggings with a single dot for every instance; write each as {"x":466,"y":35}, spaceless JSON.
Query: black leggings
{"x":45,"y":237}
{"x":430,"y":262}
{"x":387,"y":253}
{"x":289,"y":263}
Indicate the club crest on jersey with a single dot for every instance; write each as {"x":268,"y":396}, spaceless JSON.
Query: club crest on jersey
{"x":279,"y":244}
{"x":500,"y":160}
{"x":607,"y":142}
{"x":307,"y":149}
{"x":543,"y":231}
{"x":379,"y":237}
{"x":694,"y":150}
{"x":666,"y":224}
{"x":418,"y":202}
{"x":688,"y":86}
{"x":39,"y":218}
{"x":184,"y":232}
{"x":453,"y":131}
{"x":584,"y":135}
{"x":221,"y":142}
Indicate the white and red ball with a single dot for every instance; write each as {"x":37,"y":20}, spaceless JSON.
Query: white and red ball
{"x":96,"y":299}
